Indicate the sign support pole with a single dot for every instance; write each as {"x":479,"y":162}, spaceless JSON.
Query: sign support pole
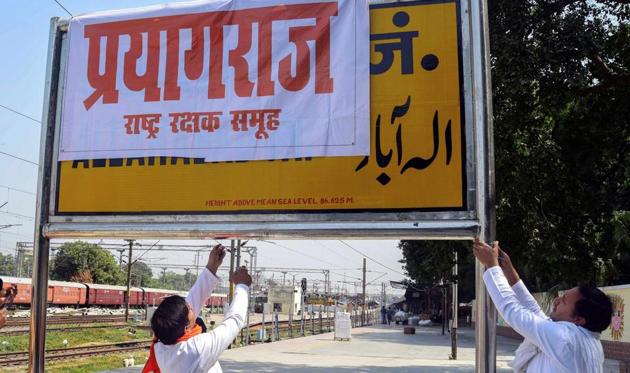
{"x":486,"y":315}
{"x":129,"y":264}
{"x":39,"y":293}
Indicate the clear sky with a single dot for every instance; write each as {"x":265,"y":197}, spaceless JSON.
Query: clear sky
{"x":24,"y":35}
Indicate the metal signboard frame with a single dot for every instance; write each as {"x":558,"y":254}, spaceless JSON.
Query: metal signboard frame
{"x":475,"y":219}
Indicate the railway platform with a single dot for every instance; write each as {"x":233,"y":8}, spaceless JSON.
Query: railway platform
{"x":371,"y":349}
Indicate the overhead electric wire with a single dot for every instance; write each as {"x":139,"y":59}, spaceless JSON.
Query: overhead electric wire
{"x":15,"y":234}
{"x":20,"y":114}
{"x":21,"y":159}
{"x":297,"y":252}
{"x":344,"y":275}
{"x":17,"y":190}
{"x":64,"y":8}
{"x":331,"y":250}
{"x":146,"y":251}
{"x":375,"y":261}
{"x":17,"y":215}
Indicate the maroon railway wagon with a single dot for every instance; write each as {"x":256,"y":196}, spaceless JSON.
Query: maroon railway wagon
{"x":23,"y":296}
{"x":66,"y":293}
{"x":153,"y":297}
{"x":80,"y":294}
{"x":112,"y":295}
{"x":216,"y":300}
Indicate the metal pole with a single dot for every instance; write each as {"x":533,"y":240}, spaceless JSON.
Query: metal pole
{"x":231,"y":292}
{"x":302,"y":313}
{"x":364,"y":304}
{"x":128,"y":280}
{"x":238,"y":253}
{"x":290,"y":331}
{"x":197,"y":258}
{"x":249,"y":295}
{"x":263,"y":335}
{"x":41,"y":244}
{"x":455,"y":309}
{"x":320,"y":320}
{"x":120,"y":256}
{"x":485,"y":318}
{"x":443,"y":308}
{"x":312,"y":319}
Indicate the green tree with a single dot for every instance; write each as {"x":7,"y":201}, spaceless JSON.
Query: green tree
{"x":84,"y":260}
{"x":561,"y":100}
{"x":142,"y":275}
{"x":175,"y":281}
{"x":7,"y":265}
{"x":430,"y":263}
{"x":561,"y":78}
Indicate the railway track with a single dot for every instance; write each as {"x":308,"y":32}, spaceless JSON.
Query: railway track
{"x":20,"y":330}
{"x":80,"y":319}
{"x":8,"y":359}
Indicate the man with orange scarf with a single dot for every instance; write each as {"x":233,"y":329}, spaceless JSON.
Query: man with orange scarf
{"x":179,"y":345}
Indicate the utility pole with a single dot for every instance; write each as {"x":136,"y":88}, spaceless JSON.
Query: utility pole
{"x":128,"y":280}
{"x":444,"y":315}
{"x":187,"y":277}
{"x":364,"y":304}
{"x":455,"y":309}
{"x":164,"y":276}
{"x":383,"y":296}
{"x":197,"y":259}
{"x":238,"y":253}
{"x":120,"y":256}
{"x":231,"y":292}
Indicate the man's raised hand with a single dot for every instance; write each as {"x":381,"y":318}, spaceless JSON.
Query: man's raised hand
{"x":216,"y":258}
{"x":486,"y":254}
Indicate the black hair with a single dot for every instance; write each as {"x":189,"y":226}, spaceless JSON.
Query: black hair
{"x":595,"y":307}
{"x":199,"y":321}
{"x":170,"y":319}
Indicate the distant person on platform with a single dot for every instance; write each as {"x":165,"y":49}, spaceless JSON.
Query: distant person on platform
{"x":390,"y":314}
{"x":567,"y":340}
{"x":383,"y":315}
{"x":179,"y":345}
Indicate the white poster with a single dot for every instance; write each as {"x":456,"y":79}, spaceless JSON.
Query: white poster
{"x":220,"y":80}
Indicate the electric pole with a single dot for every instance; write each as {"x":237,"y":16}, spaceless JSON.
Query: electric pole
{"x":231,"y":292}
{"x":120,"y":257}
{"x":455,"y":310}
{"x":128,"y":280}
{"x":364,"y":304}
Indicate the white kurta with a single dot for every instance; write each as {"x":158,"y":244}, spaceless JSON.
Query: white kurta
{"x":200,"y":353}
{"x":549,"y":346}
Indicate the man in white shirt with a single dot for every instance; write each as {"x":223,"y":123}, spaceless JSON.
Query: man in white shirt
{"x":180,"y":346}
{"x":567,"y":340}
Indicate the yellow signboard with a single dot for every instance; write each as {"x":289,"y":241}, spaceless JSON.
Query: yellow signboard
{"x":416,"y":161}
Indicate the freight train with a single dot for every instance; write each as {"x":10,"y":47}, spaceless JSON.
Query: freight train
{"x":61,"y":293}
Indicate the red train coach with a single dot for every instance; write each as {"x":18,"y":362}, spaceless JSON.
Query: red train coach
{"x":67,"y":293}
{"x":216,"y":300}
{"x":112,"y":295}
{"x":153,"y":297}
{"x":23,"y":296}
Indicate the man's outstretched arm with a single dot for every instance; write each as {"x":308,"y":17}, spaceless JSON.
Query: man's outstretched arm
{"x":520,"y":290}
{"x":207,"y":280}
{"x":541,"y":331}
{"x":212,"y":344}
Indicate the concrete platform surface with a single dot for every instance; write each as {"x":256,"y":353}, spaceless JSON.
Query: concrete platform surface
{"x":371,"y":349}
